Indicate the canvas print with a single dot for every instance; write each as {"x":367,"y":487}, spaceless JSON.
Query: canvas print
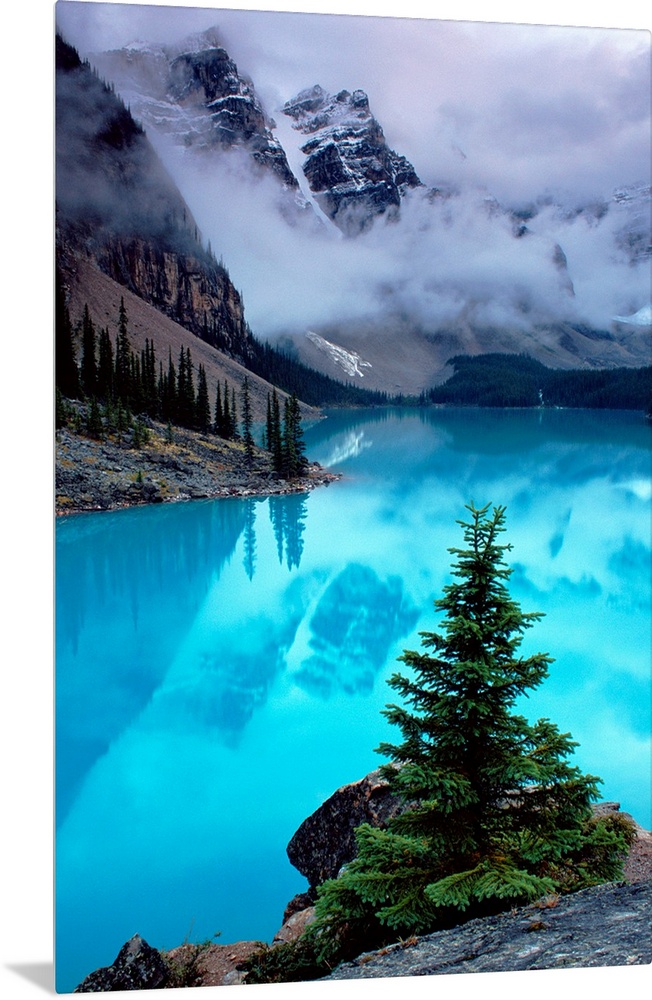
{"x":353,"y":406}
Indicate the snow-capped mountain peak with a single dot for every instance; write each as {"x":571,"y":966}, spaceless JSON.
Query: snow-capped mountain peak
{"x":352,"y":172}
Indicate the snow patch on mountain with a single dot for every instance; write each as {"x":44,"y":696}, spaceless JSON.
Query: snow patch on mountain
{"x":349,"y":361}
{"x":641,"y":318}
{"x":290,"y":141}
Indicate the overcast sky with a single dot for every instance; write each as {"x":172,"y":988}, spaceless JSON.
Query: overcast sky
{"x":519,"y":108}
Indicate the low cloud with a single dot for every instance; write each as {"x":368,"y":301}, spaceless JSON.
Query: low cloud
{"x":501,"y":112}
{"x":451,"y":260}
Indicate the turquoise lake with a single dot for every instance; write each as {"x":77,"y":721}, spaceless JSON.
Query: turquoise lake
{"x":222,"y":665}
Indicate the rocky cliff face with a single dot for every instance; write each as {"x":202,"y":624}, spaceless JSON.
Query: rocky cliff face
{"x":351,"y":170}
{"x":117,"y":206}
{"x":195,"y":95}
{"x":194,"y":292}
{"x":528,"y":293}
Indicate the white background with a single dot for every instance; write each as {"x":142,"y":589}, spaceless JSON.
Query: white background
{"x":26,"y":490}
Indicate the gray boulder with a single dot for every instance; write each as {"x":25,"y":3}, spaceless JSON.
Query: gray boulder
{"x":607,"y":925}
{"x":325,"y":841}
{"x":138,"y":966}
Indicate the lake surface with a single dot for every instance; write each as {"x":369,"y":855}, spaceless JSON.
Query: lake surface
{"x":222,"y":665}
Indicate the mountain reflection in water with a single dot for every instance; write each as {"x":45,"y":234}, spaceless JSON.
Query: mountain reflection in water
{"x":222,"y":665}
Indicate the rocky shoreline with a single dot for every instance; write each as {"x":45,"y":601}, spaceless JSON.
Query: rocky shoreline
{"x":110,"y":474}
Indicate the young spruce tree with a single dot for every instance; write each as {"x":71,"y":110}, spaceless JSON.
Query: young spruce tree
{"x":495,"y":814}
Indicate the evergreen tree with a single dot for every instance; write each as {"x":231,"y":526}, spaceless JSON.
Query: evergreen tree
{"x":186,"y":401}
{"x":268,"y":425}
{"x":94,"y":425}
{"x":109,"y":416}
{"x":293,"y":460}
{"x":247,"y":421}
{"x":496,"y":814}
{"x":122,"y":371}
{"x":61,"y":414}
{"x":136,"y":388}
{"x":151,"y":399}
{"x":191,"y":404}
{"x":105,"y":368}
{"x":66,"y":372}
{"x":218,"y":425}
{"x":502,"y":816}
{"x":275,"y":442}
{"x":203,"y":417}
{"x":234,"y":417}
{"x":140,"y":434}
{"x":88,"y":372}
{"x":227,"y":423}
{"x":168,"y":392}
{"x":121,"y":417}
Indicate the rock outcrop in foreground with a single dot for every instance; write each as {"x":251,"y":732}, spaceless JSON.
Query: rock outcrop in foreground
{"x":325,"y":841}
{"x":138,"y":966}
{"x":606,"y":925}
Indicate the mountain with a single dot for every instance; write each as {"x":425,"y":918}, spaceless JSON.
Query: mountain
{"x":354,"y":175}
{"x":117,"y":206}
{"x":194,"y":96}
{"x":125,"y":235}
{"x":355,"y":266}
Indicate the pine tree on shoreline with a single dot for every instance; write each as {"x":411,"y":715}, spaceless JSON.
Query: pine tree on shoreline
{"x":121,"y":384}
{"x":494,"y":813}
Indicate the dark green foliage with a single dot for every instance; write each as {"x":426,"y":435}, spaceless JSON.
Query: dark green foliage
{"x":203,"y":409}
{"x":185,"y":404}
{"x":225,"y":417}
{"x":105,"y":367}
{"x":61,"y":409}
{"x":234,"y":417}
{"x":123,"y":358}
{"x":518,"y":380}
{"x":285,"y":441}
{"x":150,"y":390}
{"x":168,"y":391}
{"x":122,"y":417}
{"x":88,"y":371}
{"x":274,"y":440}
{"x":94,"y":425}
{"x":283,"y":370}
{"x":293,"y":459}
{"x":136,"y":393}
{"x":496,"y":814}
{"x":140,"y":433}
{"x":219,"y":412}
{"x":66,"y":373}
{"x":293,"y":962}
{"x":247,"y":420}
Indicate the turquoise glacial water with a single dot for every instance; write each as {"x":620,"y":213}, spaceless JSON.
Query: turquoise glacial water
{"x":222,"y":665}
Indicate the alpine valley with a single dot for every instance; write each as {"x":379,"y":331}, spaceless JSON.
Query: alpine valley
{"x":411,"y":263}
{"x":181,"y":190}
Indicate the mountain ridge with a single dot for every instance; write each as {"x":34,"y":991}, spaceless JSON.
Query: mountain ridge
{"x":350,"y":178}
{"x":116,"y":205}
